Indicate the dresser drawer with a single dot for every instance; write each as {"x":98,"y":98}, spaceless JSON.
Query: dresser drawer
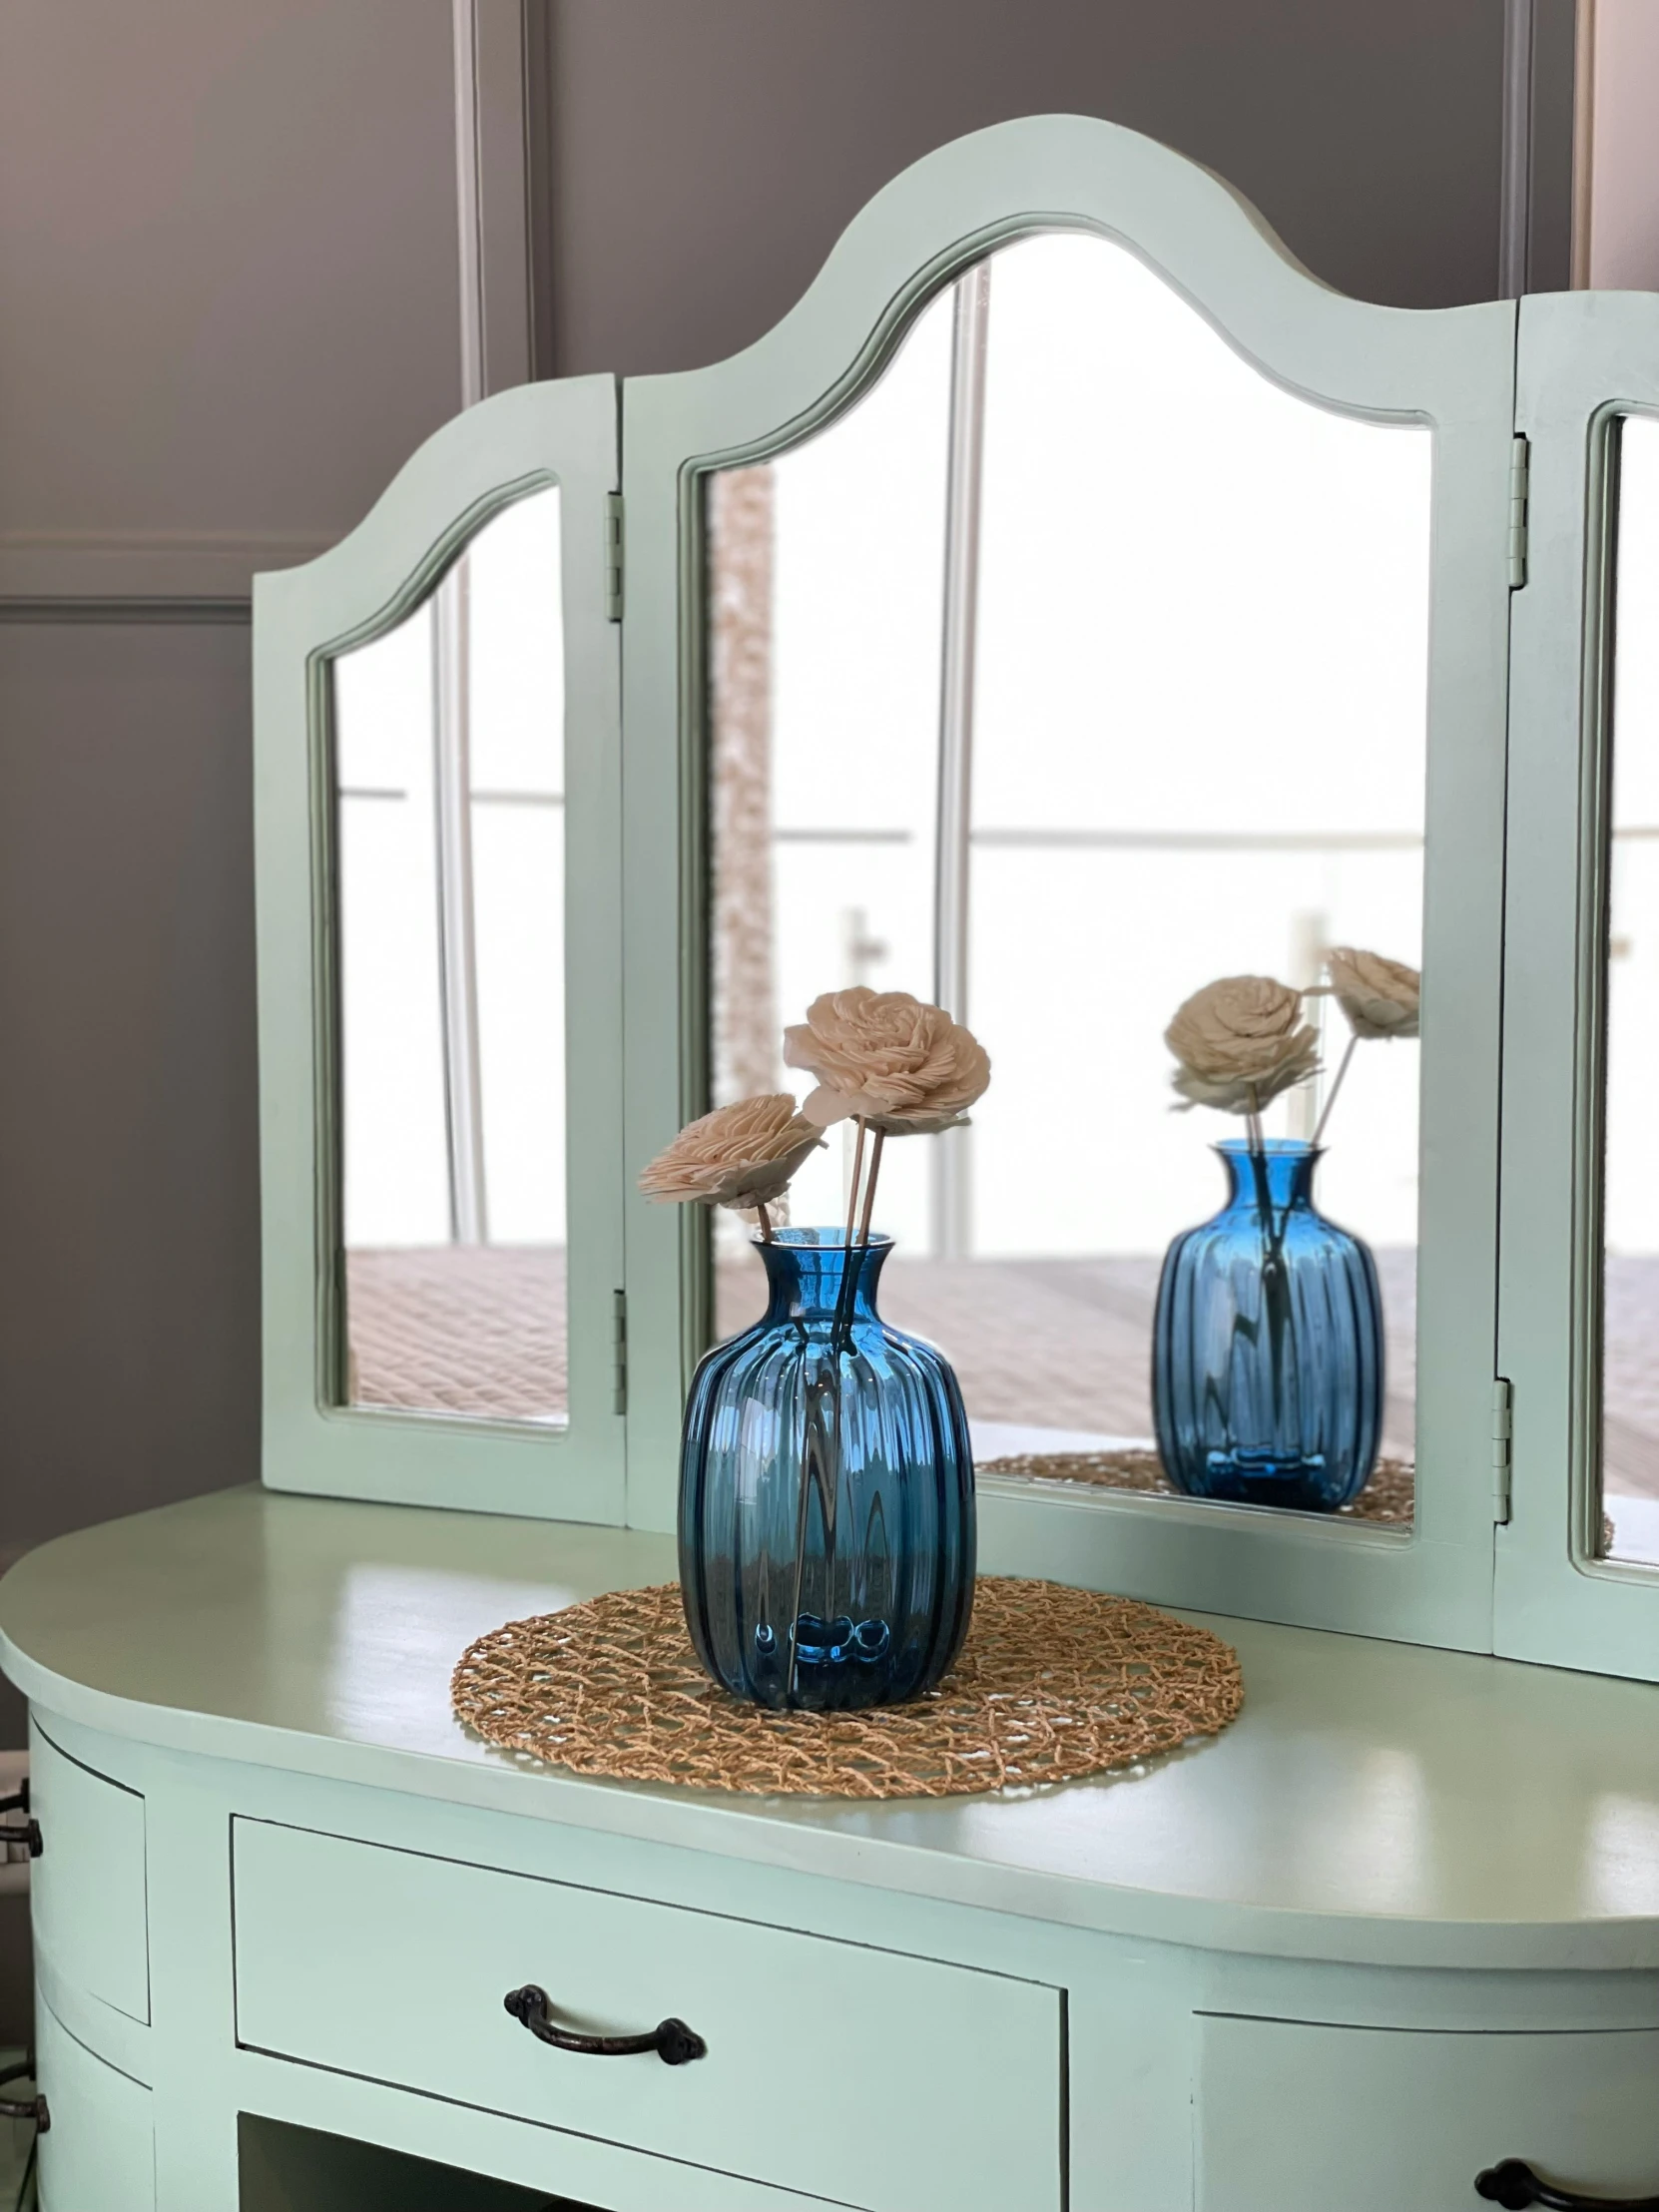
{"x":88,"y":1886}
{"x":866,"y":2076}
{"x":99,"y":2154}
{"x":1298,"y":2119}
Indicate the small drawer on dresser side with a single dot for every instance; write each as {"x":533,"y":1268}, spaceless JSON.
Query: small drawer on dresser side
{"x":99,"y":2154}
{"x":866,"y":2076}
{"x":88,"y":1885}
{"x":1301,"y":2118}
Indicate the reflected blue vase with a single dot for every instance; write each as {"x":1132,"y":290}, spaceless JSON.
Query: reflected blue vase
{"x":1267,"y":1345}
{"x":827,"y":1523}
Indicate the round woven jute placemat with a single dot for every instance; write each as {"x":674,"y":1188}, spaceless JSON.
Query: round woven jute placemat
{"x":1052,"y":1684}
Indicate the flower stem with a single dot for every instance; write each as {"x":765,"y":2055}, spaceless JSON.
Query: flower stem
{"x":1330,"y":1095}
{"x":870,"y":1188}
{"x":853,"y":1188}
{"x":1253,"y":1126}
{"x":843,"y":1298}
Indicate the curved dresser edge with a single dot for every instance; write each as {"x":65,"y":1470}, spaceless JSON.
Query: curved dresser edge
{"x":1596,"y":1946}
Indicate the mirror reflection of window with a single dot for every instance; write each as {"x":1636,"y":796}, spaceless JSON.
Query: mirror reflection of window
{"x":449,"y":759}
{"x":1630,"y":1220}
{"x":1076,"y":666}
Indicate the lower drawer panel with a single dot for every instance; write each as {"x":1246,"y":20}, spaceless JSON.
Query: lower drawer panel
{"x":1300,"y":2118}
{"x":99,"y":2154}
{"x":863,"y":2076}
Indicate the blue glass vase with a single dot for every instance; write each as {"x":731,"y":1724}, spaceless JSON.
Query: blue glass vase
{"x":827,"y":1523}
{"x":1267,"y":1344}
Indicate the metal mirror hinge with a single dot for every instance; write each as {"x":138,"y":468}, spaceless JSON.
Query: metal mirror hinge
{"x":1503,"y":1429}
{"x":1520,"y":463}
{"x":619,"y":1350}
{"x":615,"y":556}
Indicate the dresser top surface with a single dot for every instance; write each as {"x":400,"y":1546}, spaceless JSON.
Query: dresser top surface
{"x":1375,"y":1801}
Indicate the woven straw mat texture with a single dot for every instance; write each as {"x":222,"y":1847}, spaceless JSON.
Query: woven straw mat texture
{"x":1052,"y":1684}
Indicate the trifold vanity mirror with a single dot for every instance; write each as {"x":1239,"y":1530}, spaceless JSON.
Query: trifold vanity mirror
{"x":1069,"y":603}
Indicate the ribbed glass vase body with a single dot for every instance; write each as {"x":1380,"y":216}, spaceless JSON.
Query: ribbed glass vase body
{"x":827,"y":1522}
{"x":1266,"y":1349}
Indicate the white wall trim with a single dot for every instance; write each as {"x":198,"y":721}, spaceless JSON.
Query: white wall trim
{"x":1514,"y":242}
{"x":492,"y":195}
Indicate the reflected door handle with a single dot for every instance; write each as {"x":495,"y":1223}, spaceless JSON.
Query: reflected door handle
{"x":1514,"y":2185}
{"x":675,"y":2044}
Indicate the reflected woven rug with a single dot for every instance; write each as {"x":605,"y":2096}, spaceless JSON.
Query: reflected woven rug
{"x":1052,"y":1684}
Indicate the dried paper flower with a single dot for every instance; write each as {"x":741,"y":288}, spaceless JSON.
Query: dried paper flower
{"x":740,"y":1156}
{"x":1380,"y":996}
{"x":904,"y":1069}
{"x":1240,"y":1042}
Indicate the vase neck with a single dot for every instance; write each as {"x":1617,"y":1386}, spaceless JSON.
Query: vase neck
{"x":1283,"y":1171}
{"x":806,"y":1275}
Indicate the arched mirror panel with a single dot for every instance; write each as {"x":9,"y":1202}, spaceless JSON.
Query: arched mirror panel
{"x":440,"y":741}
{"x":1075,"y":668}
{"x":1086,"y":623}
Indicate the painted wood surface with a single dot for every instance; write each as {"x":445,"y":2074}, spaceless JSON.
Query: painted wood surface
{"x":1374,"y":1802}
{"x":394,"y":1965}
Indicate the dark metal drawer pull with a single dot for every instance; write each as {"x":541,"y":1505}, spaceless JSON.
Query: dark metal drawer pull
{"x":29,"y":1833}
{"x":25,"y":2108}
{"x":1514,"y":2185}
{"x":675,"y":2044}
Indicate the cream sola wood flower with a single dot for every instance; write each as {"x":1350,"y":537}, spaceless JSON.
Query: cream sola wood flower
{"x":1239,"y":1042}
{"x":892,"y":1065}
{"x":885,"y":1058}
{"x":740,"y":1156}
{"x":1379,"y":997}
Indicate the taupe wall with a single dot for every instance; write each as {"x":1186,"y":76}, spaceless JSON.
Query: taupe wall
{"x":228,"y":310}
{"x":706,"y":154}
{"x":227,"y":252}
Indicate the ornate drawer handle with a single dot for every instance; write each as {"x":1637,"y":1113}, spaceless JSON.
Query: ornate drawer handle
{"x":675,"y":2044}
{"x":1514,"y":2185}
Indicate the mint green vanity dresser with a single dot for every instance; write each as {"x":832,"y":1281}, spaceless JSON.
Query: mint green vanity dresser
{"x":1069,"y":598}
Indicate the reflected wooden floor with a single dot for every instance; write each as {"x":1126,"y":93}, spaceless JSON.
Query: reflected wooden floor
{"x":1059,"y":1345}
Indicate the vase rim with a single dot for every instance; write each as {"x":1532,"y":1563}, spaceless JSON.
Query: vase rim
{"x":819,"y":1240}
{"x":1272,"y":1148}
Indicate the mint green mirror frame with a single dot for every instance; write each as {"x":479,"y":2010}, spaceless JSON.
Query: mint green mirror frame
{"x":1584,"y":359}
{"x":518,"y":443}
{"x":1451,"y":370}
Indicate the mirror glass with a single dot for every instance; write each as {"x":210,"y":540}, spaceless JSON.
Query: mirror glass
{"x":1630,"y":1208}
{"x":448,"y":756}
{"x":1075,"y":666}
